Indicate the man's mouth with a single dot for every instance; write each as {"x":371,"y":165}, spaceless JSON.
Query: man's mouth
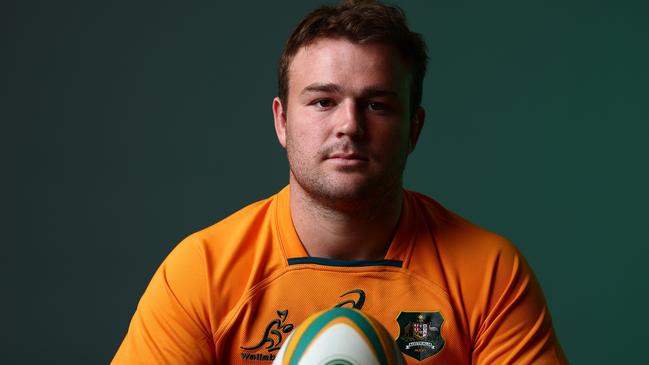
{"x":347,"y":156}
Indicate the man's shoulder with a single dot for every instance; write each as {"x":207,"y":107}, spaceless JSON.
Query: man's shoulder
{"x":456,"y":235}
{"x":238,"y":246}
{"x":252,"y":216}
{"x":465,"y":257}
{"x":236,"y":236}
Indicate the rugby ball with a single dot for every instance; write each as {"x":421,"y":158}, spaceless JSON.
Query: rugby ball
{"x":339,"y":336}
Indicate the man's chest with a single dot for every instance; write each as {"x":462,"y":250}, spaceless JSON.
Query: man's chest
{"x":417,"y":313}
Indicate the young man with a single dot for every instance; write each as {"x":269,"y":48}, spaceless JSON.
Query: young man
{"x":344,"y":232}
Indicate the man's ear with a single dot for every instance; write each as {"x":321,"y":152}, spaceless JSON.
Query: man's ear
{"x":279,"y":114}
{"x":416,"y":125}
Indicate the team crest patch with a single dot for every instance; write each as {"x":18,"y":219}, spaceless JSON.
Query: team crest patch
{"x":420,"y":334}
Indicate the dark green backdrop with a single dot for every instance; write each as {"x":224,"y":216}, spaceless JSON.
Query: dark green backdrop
{"x":126,"y":125}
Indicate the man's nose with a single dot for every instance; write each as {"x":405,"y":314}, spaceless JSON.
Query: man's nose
{"x":350,"y":120}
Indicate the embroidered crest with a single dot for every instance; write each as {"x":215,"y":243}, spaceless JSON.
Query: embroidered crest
{"x":420,"y":334}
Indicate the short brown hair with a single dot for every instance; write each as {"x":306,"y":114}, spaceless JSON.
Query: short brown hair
{"x":360,"y":21}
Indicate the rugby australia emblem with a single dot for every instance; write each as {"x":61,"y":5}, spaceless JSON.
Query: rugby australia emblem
{"x":420,"y":334}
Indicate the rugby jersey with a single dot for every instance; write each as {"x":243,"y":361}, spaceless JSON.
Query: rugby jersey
{"x":448,"y":291}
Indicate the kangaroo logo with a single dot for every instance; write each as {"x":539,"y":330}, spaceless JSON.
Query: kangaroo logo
{"x":274,"y":333}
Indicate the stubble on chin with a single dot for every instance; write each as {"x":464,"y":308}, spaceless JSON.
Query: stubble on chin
{"x":344,"y":193}
{"x":351,"y":189}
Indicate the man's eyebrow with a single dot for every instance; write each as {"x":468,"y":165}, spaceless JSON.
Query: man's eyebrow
{"x":321,"y":87}
{"x":373,"y":92}
{"x":335,"y":88}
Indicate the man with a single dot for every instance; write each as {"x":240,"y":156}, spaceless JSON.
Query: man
{"x":344,"y":232}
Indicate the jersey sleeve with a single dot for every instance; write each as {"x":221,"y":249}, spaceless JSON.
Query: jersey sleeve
{"x":516,"y":327}
{"x":171,"y":323}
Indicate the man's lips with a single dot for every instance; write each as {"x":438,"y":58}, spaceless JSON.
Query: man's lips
{"x":347,"y":160}
{"x":347,"y":156}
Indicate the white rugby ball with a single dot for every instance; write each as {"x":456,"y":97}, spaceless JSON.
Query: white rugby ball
{"x":339,"y":336}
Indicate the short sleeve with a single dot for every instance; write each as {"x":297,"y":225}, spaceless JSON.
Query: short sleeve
{"x":171,"y":323}
{"x":516,"y":327}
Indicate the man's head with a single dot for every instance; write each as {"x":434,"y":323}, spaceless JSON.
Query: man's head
{"x":359,"y":21}
{"x":349,"y":114}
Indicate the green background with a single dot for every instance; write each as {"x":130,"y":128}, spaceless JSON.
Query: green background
{"x":127,"y":125}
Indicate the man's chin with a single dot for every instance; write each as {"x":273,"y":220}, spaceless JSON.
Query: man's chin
{"x":347,"y":190}
{"x":347,"y":196}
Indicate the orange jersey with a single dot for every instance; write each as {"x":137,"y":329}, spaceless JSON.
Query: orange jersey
{"x":448,"y":292}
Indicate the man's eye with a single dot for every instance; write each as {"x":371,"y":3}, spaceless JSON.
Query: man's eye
{"x":377,"y":107}
{"x":324,"y":103}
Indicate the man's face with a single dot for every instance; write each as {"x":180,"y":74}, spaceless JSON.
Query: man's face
{"x":347,"y":127}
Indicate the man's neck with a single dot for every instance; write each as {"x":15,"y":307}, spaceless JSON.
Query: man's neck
{"x":362,"y":233}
